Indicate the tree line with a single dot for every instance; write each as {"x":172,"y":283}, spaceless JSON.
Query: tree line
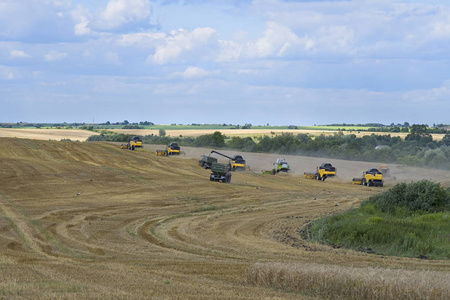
{"x":417,"y":149}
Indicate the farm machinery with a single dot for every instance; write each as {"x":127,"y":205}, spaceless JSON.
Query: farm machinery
{"x":323,"y":171}
{"x":134,"y":142}
{"x":220,"y":172}
{"x":206,"y":161}
{"x":371,"y":177}
{"x":280,"y":165}
{"x":171,"y":149}
{"x":237,"y":162}
{"x":385,"y":170}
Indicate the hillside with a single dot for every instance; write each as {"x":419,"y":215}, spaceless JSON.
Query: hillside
{"x":89,"y":220}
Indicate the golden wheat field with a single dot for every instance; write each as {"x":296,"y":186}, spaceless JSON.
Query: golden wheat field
{"x":93,"y":221}
{"x":46,"y":134}
{"x":259,"y":132}
{"x":82,"y":135}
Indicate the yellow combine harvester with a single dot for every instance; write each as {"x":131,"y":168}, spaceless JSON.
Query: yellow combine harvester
{"x":171,"y":149}
{"x":371,"y":177}
{"x":136,"y":141}
{"x":322,"y":172}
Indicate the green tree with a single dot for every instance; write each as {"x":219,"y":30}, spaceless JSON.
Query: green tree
{"x":162,"y":132}
{"x":218,"y":139}
{"x":419,"y":133}
{"x":446,"y":139}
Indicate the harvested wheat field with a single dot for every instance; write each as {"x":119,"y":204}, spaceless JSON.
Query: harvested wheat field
{"x":47,"y":134}
{"x":89,"y":220}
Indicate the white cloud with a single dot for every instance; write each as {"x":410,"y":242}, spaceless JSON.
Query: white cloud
{"x":334,"y":39}
{"x":144,"y":40}
{"x":277,"y":41}
{"x":7,"y":73}
{"x":18,"y":54}
{"x":82,"y":17}
{"x":427,"y":97}
{"x":54,"y":55}
{"x":180,"y":42}
{"x":112,"y":58}
{"x":247,"y":72}
{"x":58,"y":3}
{"x":440,"y":27}
{"x":229,"y":51}
{"x":120,"y":12}
{"x":399,"y":48}
{"x":194,"y":72}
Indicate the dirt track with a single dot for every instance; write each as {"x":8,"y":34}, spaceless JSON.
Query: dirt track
{"x":89,"y":220}
{"x":300,"y":164}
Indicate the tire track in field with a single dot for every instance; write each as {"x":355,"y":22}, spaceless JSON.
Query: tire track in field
{"x":242,"y":233}
{"x":23,"y":227}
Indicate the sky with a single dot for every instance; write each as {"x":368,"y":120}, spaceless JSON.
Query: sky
{"x":277,"y":62}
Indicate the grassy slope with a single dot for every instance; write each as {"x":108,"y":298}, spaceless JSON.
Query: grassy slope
{"x":420,"y":235}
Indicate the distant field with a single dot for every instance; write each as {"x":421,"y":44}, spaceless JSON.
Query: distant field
{"x":82,"y":135}
{"x":224,"y":127}
{"x":47,"y":134}
{"x":259,"y":132}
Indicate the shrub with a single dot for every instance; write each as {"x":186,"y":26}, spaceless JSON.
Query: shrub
{"x":423,"y":196}
{"x":407,"y":220}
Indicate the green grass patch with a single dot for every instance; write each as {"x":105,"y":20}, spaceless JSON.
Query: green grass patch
{"x":415,"y":225}
{"x":206,"y":208}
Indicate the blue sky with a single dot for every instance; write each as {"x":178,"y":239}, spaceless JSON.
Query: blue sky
{"x":263,"y":61}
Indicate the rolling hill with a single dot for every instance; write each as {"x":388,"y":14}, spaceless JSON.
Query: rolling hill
{"x":89,"y":220}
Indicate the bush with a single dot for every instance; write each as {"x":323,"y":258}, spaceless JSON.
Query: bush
{"x":424,"y":196}
{"x":407,"y":220}
{"x":215,"y":140}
